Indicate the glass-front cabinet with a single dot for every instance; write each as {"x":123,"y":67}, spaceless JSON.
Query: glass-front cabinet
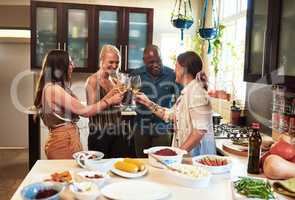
{"x":61,"y":26}
{"x":82,"y":30}
{"x":256,"y":38}
{"x":269,"y":42}
{"x":45,"y":31}
{"x":137,"y":37}
{"x":77,"y":36}
{"x":130,"y":29}
{"x":285,"y":68}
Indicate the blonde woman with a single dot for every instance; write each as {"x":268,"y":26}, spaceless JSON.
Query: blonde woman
{"x":59,"y":107}
{"x":106,"y":130}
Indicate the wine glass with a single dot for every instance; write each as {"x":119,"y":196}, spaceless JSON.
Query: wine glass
{"x":135,"y":83}
{"x":122,"y":82}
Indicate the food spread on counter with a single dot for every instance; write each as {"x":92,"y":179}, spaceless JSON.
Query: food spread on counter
{"x":190,"y":170}
{"x":60,"y":177}
{"x":254,"y":188}
{"x":213,"y":161}
{"x":165,"y":152}
{"x":130,"y":165}
{"x":42,"y":194}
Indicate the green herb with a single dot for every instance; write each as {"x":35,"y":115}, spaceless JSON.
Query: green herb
{"x":254,"y":188}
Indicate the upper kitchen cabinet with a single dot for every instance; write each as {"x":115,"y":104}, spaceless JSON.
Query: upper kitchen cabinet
{"x":269,"y":45}
{"x":256,"y":41}
{"x":78,"y":35}
{"x":62,"y":26}
{"x":82,"y":30}
{"x":283,"y":55}
{"x":45,"y":30}
{"x":130,"y":29}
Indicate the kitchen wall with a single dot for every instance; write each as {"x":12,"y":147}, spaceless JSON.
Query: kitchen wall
{"x":14,"y":58}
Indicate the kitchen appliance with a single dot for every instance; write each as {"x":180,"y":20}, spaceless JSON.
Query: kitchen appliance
{"x":229,"y":131}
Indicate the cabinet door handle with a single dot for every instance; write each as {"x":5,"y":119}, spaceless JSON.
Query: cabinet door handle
{"x":65,"y":46}
{"x":263,"y":54}
{"x":126,"y":57}
{"x":58,"y":45}
{"x":120,"y":49}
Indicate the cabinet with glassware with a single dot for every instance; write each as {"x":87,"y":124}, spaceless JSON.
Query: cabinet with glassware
{"x":83,"y":29}
{"x":283,"y":113}
{"x":268,"y":56}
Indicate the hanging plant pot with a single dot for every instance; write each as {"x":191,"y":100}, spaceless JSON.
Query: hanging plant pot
{"x":182,"y":23}
{"x":182,"y":17}
{"x":208,"y":33}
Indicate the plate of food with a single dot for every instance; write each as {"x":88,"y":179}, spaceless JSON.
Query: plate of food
{"x":213,"y":163}
{"x":61,"y":177}
{"x":166,"y":154}
{"x":82,"y":156}
{"x":96,"y":177}
{"x":248,"y":188}
{"x":129,"y":168}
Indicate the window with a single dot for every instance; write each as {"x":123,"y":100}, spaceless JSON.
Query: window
{"x":171,"y":46}
{"x":231,"y":67}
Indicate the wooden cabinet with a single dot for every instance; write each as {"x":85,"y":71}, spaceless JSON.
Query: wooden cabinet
{"x":83,"y":29}
{"x":62,"y":26}
{"x":269,"y":43}
{"x":130,"y":29}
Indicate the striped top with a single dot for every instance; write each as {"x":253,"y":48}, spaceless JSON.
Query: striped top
{"x":107,"y":118}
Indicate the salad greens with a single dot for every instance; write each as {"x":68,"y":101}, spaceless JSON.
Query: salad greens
{"x":254,"y":188}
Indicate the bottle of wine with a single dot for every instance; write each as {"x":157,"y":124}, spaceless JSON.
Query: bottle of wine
{"x":254,"y":149}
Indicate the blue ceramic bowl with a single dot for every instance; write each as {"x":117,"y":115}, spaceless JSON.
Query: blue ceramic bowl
{"x":30,"y":191}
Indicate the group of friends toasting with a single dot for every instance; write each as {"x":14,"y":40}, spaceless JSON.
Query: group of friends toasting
{"x":191,"y":114}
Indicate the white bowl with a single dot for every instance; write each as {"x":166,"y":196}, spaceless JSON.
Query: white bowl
{"x":82,"y":156}
{"x":98,"y":181}
{"x":214,"y":169}
{"x":200,"y":179}
{"x":167,"y":159}
{"x":91,"y":194}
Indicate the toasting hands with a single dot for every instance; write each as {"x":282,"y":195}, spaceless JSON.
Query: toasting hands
{"x":114,"y":96}
{"x":143,"y":99}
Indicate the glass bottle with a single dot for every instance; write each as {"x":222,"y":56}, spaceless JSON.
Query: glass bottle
{"x":254,"y":149}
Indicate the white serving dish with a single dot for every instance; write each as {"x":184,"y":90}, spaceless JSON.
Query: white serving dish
{"x":178,"y":178}
{"x":135,"y":190}
{"x":85,"y":195}
{"x":98,"y":181}
{"x":82,"y":156}
{"x":177,"y":159}
{"x":214,"y":169}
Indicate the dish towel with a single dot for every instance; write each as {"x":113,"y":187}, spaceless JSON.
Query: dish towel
{"x":286,"y":187}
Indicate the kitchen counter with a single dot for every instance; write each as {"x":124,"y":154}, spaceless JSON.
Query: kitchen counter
{"x":219,"y":186}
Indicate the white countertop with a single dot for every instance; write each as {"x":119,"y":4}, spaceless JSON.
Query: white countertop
{"x":219,"y":187}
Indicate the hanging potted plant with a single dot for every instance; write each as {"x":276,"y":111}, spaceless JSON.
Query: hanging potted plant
{"x":209,"y":31}
{"x":182,"y":18}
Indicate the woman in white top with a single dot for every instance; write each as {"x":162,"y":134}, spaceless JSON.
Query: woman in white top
{"x":192,"y":112}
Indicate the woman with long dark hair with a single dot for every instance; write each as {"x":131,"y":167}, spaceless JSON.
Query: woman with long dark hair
{"x":59,"y":108}
{"x":192,"y":112}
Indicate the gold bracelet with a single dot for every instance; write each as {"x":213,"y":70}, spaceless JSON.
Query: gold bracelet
{"x":154,"y":107}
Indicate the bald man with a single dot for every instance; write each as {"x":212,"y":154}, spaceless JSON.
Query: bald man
{"x":158,"y":83}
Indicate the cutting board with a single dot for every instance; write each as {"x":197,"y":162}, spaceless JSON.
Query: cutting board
{"x":235,"y":149}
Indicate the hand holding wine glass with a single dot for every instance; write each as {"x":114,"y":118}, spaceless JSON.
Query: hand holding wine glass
{"x":135,"y":82}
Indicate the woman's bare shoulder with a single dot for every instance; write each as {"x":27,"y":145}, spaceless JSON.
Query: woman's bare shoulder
{"x":91,"y":80}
